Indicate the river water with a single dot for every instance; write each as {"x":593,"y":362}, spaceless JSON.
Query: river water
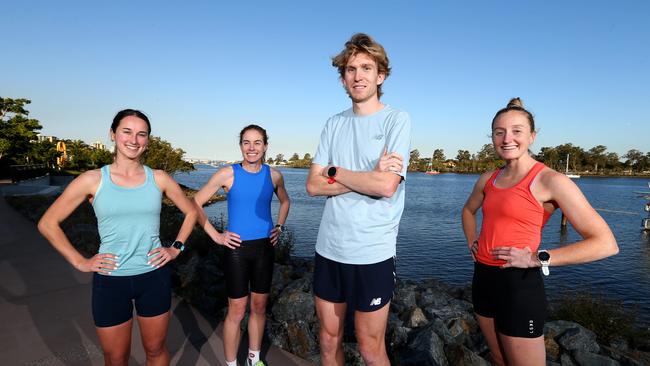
{"x":431,"y":244}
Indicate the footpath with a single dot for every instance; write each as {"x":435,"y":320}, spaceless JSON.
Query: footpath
{"x":45,"y":314}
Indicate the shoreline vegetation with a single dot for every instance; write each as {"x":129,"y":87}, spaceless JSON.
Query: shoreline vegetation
{"x":429,"y":323}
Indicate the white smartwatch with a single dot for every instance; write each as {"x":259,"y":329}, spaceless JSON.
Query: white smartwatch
{"x":545,"y":259}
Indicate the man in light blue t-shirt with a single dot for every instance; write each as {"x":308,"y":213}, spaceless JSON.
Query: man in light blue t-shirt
{"x":359,"y":166}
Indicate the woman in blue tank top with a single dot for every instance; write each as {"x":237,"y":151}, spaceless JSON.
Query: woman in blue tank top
{"x":130,"y":266}
{"x":250,"y":238}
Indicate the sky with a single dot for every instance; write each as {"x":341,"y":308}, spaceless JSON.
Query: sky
{"x":202,"y":70}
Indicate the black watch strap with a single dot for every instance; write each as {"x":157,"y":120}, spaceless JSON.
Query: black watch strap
{"x":178,"y":245}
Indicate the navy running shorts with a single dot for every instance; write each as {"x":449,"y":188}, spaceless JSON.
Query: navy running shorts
{"x":513,"y":297}
{"x":113,"y":296}
{"x":250,"y":264}
{"x":364,"y":287}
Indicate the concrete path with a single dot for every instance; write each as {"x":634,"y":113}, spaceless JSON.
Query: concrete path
{"x":45,"y":315}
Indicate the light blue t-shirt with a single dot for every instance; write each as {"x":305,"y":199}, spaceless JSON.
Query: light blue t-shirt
{"x":128,"y":220}
{"x":355,"y":228}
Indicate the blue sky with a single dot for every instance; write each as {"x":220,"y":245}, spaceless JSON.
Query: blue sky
{"x":202,"y":70}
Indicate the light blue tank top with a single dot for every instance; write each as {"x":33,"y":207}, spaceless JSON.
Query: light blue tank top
{"x":249,"y":203}
{"x":129,"y":221}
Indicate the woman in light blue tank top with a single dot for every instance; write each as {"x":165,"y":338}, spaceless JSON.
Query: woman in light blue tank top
{"x":130,"y":268}
{"x":250,"y":238}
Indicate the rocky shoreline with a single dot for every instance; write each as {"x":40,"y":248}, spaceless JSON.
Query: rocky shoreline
{"x":430,"y":323}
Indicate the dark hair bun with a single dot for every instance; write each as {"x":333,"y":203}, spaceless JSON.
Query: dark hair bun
{"x":515,"y":102}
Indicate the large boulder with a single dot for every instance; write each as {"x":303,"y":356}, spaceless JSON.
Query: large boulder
{"x":294,"y":305}
{"x":425,"y":349}
{"x":578,"y":338}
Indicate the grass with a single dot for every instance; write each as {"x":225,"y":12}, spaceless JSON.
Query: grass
{"x":609,"y":319}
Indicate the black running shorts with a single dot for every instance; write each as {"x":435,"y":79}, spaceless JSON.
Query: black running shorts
{"x":513,"y":297}
{"x":250,"y":264}
{"x":364,"y":287}
{"x":113,"y":296}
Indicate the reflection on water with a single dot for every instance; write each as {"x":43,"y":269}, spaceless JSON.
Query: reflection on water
{"x":431,"y":241}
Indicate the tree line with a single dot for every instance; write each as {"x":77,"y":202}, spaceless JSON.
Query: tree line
{"x":19,"y":145}
{"x":596,"y":161}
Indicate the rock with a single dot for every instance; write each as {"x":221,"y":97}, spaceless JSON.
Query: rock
{"x":552,"y":349}
{"x":432,"y":297}
{"x":302,"y":342}
{"x":426,"y":349}
{"x":628,"y":357}
{"x":454,"y":309}
{"x":558,"y":327}
{"x":416,"y":319}
{"x":281,"y":276}
{"x":565,"y":360}
{"x":405,"y":298}
{"x":302,"y":284}
{"x":443,"y":332}
{"x":352,"y":355}
{"x":578,"y":338}
{"x":461,"y":356}
{"x":583,"y":358}
{"x":294,"y":306}
{"x":394,"y":321}
{"x":277,"y":334}
{"x":397,"y":337}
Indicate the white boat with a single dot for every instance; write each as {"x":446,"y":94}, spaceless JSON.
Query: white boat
{"x":566,"y":170}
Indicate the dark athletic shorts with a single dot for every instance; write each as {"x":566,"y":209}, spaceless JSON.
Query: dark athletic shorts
{"x":251,"y":263}
{"x":364,"y":287}
{"x":113,"y":296}
{"x":513,"y":297}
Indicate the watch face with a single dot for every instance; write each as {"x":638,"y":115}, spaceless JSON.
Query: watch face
{"x":331,"y":171}
{"x":543,"y":256}
{"x":178,"y":245}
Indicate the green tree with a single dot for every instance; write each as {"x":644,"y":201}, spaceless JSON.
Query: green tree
{"x":636,"y":160}
{"x":438,"y":159}
{"x":414,"y":161}
{"x":487,"y":158}
{"x":16,"y":132}
{"x":295,"y":157}
{"x":44,"y":152}
{"x":100,"y":157}
{"x":595,"y":157}
{"x":307,"y":157}
{"x":161,"y":155}
{"x":279,"y":158}
{"x":78,"y":155}
{"x":464,"y":159}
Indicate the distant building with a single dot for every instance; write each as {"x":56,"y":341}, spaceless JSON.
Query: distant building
{"x":42,"y":138}
{"x":98,"y":145}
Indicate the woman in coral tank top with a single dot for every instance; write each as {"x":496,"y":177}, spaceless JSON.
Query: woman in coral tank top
{"x":517,"y":200}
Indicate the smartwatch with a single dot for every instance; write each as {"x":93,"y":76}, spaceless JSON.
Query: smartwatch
{"x":281,"y":228}
{"x":178,"y":245}
{"x":331,"y":173}
{"x":545,"y":259}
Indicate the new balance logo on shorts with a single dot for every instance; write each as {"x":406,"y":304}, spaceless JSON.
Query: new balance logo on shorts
{"x":376,"y":301}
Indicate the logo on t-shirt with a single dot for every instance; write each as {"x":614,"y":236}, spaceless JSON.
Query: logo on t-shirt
{"x":375,"y":301}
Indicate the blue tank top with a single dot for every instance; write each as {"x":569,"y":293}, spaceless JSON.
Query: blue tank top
{"x":129,"y":221}
{"x":249,"y":203}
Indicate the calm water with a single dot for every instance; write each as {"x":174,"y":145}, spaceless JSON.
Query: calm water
{"x":431,"y":241}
